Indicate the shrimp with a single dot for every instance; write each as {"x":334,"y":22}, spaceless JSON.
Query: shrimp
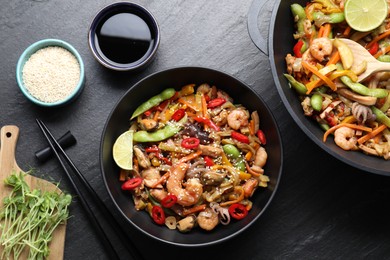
{"x":321,"y":47}
{"x":345,"y":138}
{"x":150,"y":175}
{"x":250,"y":186}
{"x":208,"y":219}
{"x":260,"y":160}
{"x":193,"y":188}
{"x":237,"y":119}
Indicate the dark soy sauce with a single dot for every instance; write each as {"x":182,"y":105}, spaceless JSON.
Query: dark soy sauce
{"x":123,"y":38}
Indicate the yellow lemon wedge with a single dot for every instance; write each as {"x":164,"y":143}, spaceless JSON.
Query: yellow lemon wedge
{"x":122,"y":151}
{"x":364,"y":15}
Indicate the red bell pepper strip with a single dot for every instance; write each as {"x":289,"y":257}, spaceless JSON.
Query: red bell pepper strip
{"x":260,"y":134}
{"x":238,"y":211}
{"x":374,"y":49}
{"x":190,"y":143}
{"x":179,"y":114}
{"x":240,"y":137}
{"x":216,"y":102}
{"x":158,"y":215}
{"x":297,"y":49}
{"x":207,"y":121}
{"x":169,"y":201}
{"x":208,"y":161}
{"x":132,"y":183}
{"x":163,"y":105}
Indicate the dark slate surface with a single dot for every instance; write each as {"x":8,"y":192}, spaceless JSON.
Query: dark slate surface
{"x":323,"y":209}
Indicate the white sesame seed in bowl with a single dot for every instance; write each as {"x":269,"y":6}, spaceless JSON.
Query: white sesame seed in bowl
{"x":50,"y":73}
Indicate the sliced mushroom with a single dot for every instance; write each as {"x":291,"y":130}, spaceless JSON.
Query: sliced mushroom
{"x":186,"y":224}
{"x":364,"y":100}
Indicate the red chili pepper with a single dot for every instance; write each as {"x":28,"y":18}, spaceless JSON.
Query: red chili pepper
{"x":178,"y":114}
{"x":297,"y":49}
{"x":190,"y":143}
{"x":216,"y":102}
{"x":158,"y":215}
{"x":208,"y":161}
{"x":374,"y":49}
{"x":238,"y":211}
{"x":169,"y":201}
{"x":152,"y":149}
{"x":260,"y":134}
{"x":207,"y":121}
{"x":240,"y":137}
{"x":132,"y":183}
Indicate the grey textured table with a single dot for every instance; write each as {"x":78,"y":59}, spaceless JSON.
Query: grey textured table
{"x":323,"y":208}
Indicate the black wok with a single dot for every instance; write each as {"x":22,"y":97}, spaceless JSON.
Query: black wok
{"x":118,"y":122}
{"x":280,"y":42}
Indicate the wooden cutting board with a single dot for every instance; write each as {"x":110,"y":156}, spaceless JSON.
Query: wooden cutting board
{"x":9,"y":137}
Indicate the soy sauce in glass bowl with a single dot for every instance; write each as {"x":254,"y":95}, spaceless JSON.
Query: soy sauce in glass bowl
{"x":124,"y":36}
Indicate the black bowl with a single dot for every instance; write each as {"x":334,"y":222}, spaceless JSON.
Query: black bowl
{"x":279,"y":43}
{"x":118,"y":122}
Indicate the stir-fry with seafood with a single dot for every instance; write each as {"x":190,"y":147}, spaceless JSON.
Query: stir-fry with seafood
{"x":197,"y":158}
{"x":322,"y":71}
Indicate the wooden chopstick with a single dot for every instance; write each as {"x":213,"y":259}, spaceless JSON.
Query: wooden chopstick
{"x":57,"y":149}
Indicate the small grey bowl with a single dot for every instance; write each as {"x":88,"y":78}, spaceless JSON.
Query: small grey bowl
{"x":34,"y":48}
{"x":117,"y":8}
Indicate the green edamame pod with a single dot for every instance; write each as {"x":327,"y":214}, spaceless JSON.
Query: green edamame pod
{"x":316,"y":102}
{"x":336,"y":17}
{"x":161,"y":134}
{"x":363,"y":90}
{"x":234,"y":156}
{"x":380,"y":116}
{"x":320,"y":18}
{"x":384,"y":58}
{"x":298,"y":10}
{"x":154,"y":101}
{"x":298,"y":86}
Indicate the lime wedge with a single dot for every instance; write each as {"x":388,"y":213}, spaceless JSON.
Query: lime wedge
{"x":365,"y":15}
{"x":122,"y":151}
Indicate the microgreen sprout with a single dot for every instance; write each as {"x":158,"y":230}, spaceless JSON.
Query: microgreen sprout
{"x":29,"y":218}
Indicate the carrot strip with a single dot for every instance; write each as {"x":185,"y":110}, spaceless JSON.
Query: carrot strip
{"x":187,"y":104}
{"x":252,"y":127}
{"x":204,"y":107}
{"x":248,"y":168}
{"x":190,"y":157}
{"x":347,"y":31}
{"x":194,"y":209}
{"x":378,"y":38}
{"x":334,"y":58}
{"x":122,"y":175}
{"x":240,"y":198}
{"x":162,"y":179}
{"x":248,"y":156}
{"x":314,"y":70}
{"x":327,"y":30}
{"x":321,"y":31}
{"x":372,"y":134}
{"x":353,"y":126}
{"x":381,"y":52}
{"x":312,"y":85}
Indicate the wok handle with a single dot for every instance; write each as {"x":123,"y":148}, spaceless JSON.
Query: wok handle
{"x":253,"y":28}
